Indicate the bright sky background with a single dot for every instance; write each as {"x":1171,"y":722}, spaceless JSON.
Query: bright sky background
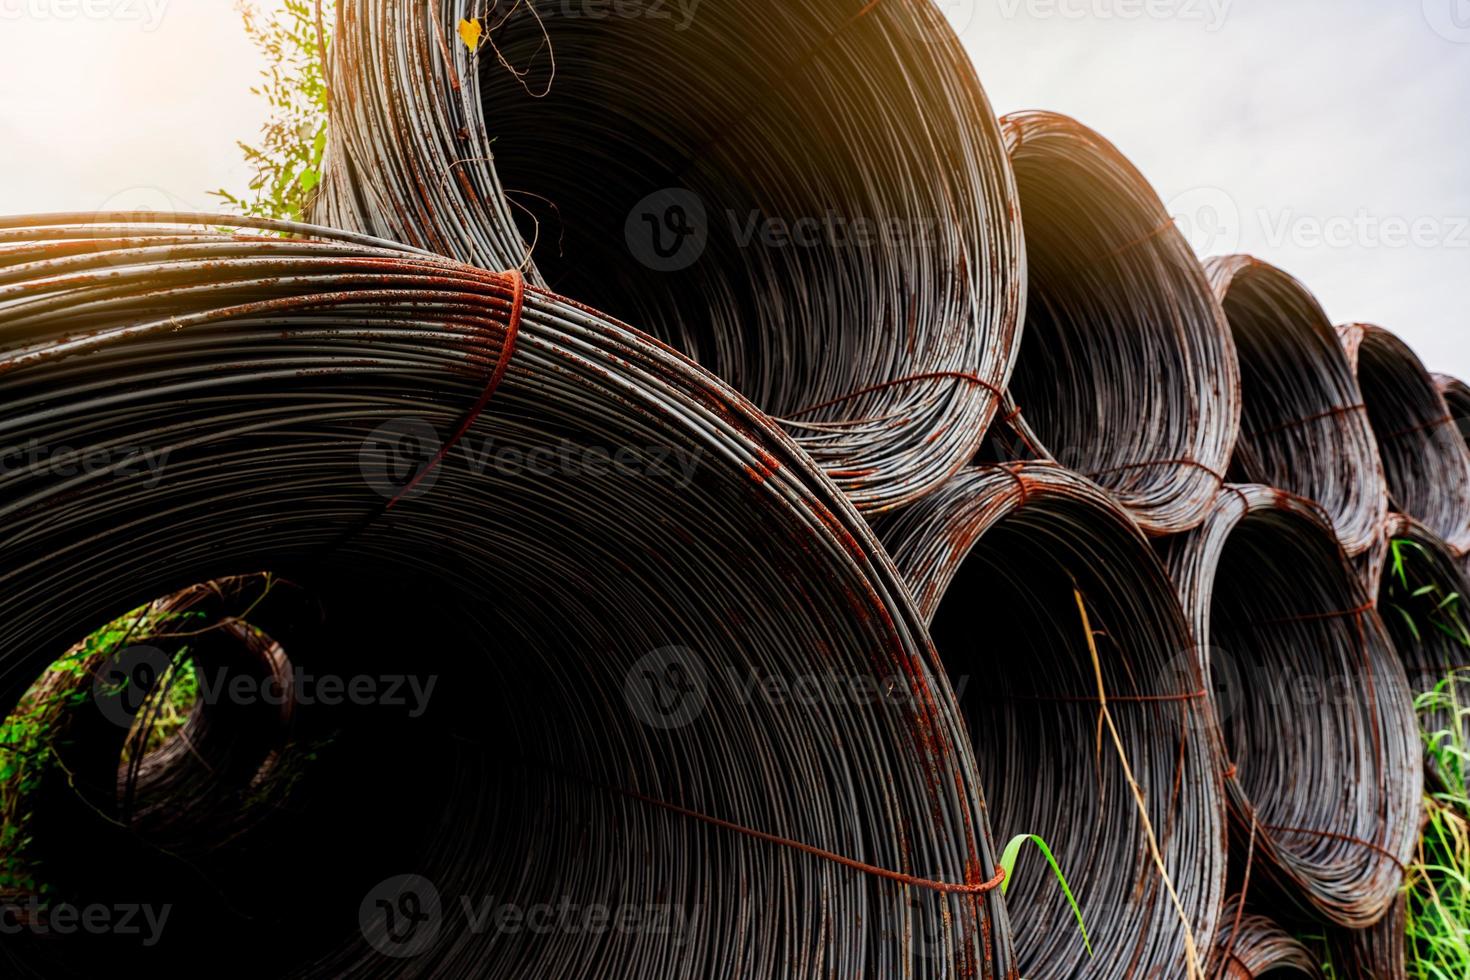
{"x":1322,"y":135}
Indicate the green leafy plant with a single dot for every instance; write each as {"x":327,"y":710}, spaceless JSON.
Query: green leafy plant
{"x":28,"y":737}
{"x":1437,"y":885}
{"x":287,"y":161}
{"x":1008,"y":864}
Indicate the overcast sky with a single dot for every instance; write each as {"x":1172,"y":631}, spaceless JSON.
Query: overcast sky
{"x":1331,"y":137}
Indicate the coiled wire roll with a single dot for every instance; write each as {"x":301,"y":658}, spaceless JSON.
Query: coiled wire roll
{"x":997,"y":560}
{"x":1126,"y":371}
{"x":288,"y":380}
{"x":1250,"y":945}
{"x":1376,"y":953}
{"x":809,"y":198}
{"x":1424,"y":457}
{"x":1422,"y":600}
{"x":1312,"y":711}
{"x":1303,"y":424}
{"x":1457,"y":398}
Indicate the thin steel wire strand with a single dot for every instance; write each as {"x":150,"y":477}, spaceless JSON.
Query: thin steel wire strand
{"x":1126,"y":373}
{"x":1376,"y":953}
{"x":1251,"y":945}
{"x":995,"y":560}
{"x":1303,"y":424}
{"x":1312,"y":714}
{"x":264,"y":366}
{"x":856,"y":269}
{"x":1425,"y":459}
{"x":1432,"y":657}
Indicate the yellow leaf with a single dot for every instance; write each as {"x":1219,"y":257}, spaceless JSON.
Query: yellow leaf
{"x":469,"y":33}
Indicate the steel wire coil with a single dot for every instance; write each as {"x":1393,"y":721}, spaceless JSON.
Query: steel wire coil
{"x":1303,"y":424}
{"x":1457,"y":398}
{"x":1422,"y":593}
{"x":809,"y":198}
{"x":1376,"y":953}
{"x":1250,"y":945}
{"x":997,"y":561}
{"x":1425,"y":460}
{"x":348,"y":413}
{"x":1313,"y":716}
{"x":1126,"y":370}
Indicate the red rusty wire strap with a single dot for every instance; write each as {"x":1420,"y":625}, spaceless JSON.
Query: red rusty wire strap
{"x":1181,"y":461}
{"x":1345,"y":838}
{"x":943,"y":887}
{"x":1337,"y":412}
{"x":1421,"y":427}
{"x":1317,"y":617}
{"x":895,"y":382}
{"x":1112,"y":698}
{"x":502,"y":362}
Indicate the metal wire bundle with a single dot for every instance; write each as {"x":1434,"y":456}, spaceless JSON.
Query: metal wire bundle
{"x":1251,"y":945}
{"x":1421,"y":599}
{"x":1377,"y":953}
{"x":1457,"y":398}
{"x":1303,"y":424}
{"x":605,"y":555}
{"x":1000,"y":561}
{"x":809,"y":198}
{"x":1314,"y":720}
{"x":1424,"y":457}
{"x":1126,"y":371}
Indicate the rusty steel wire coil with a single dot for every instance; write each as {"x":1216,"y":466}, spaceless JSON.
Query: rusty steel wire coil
{"x":1376,"y":953}
{"x":1126,"y":370}
{"x":809,"y":198}
{"x":1422,"y":595}
{"x":1250,"y":945}
{"x":1303,"y":424}
{"x":610,"y":563}
{"x":1314,"y":717}
{"x":999,"y":561}
{"x":1457,"y":398}
{"x":1424,"y":456}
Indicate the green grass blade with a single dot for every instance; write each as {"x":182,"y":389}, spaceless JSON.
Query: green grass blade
{"x":1008,"y":864}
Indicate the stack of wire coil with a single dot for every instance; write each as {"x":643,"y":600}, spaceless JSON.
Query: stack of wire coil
{"x":809,"y":198}
{"x":1126,"y":371}
{"x":602,"y":553}
{"x":1013,"y":567}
